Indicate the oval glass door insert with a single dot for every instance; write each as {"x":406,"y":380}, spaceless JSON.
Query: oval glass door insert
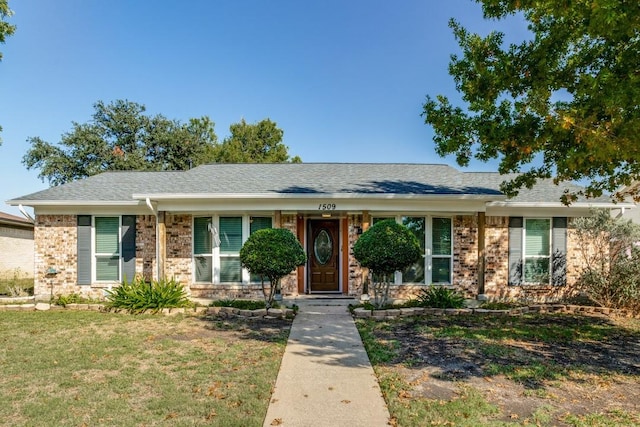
{"x":323,"y":247}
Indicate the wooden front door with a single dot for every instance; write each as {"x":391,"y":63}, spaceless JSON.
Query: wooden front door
{"x":323,"y":253}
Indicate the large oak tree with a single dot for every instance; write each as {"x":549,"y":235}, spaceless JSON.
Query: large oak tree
{"x":564,"y":104}
{"x":121,"y":136}
{"x":254,"y":143}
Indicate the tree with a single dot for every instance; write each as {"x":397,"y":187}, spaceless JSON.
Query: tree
{"x":272,"y":253}
{"x":385,"y":248}
{"x":122,"y":137}
{"x":6,"y":29}
{"x":562,"y":105}
{"x":610,"y":251}
{"x":254,"y":143}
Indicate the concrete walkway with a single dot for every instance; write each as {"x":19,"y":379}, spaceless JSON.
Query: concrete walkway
{"x":325,"y":378}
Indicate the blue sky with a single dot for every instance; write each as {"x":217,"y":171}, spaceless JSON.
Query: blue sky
{"x":345,"y":80}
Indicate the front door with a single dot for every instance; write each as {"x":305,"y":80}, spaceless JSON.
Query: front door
{"x":323,"y":254}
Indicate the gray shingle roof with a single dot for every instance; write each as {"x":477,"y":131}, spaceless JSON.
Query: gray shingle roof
{"x":286,"y":178}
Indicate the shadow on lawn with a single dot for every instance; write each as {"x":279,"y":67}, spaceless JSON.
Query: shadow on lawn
{"x":527,"y":349}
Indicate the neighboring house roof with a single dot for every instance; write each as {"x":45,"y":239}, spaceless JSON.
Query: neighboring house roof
{"x":368,"y":180}
{"x":15,"y":221}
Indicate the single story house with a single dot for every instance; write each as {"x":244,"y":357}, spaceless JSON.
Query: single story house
{"x":16,"y":246}
{"x":190,"y":225}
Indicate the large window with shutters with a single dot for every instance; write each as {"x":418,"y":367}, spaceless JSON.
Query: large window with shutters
{"x":106,"y":247}
{"x":216,"y":247}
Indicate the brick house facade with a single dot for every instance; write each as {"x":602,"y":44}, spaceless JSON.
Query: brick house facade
{"x":157,"y":225}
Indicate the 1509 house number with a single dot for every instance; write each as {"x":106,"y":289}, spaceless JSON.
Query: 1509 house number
{"x":327,"y":207}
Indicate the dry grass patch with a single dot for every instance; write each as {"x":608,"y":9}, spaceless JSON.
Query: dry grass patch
{"x":548,"y":370}
{"x":75,"y":368}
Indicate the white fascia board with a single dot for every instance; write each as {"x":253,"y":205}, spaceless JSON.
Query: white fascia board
{"x":324,"y":196}
{"x":320,"y":205}
{"x":546,"y":209}
{"x":35,"y":203}
{"x":581,"y":205}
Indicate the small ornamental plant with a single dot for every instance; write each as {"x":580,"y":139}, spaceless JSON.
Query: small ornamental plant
{"x":272,"y":253}
{"x":139,"y":296}
{"x":385,"y":248}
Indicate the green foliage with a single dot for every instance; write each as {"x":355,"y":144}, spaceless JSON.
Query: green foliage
{"x":384,"y":248}
{"x":272,"y":253}
{"x":567,"y":96}
{"x":139,"y":296}
{"x":73,"y":298}
{"x":440,"y":297}
{"x":241,"y":304}
{"x":16,"y":284}
{"x":611,"y":253}
{"x":254,"y":143}
{"x":6,"y":29}
{"x":121,"y":137}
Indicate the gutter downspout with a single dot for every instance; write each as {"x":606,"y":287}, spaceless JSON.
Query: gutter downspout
{"x":26,"y":214}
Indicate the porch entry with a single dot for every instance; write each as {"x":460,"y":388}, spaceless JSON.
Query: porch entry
{"x":323,"y":250}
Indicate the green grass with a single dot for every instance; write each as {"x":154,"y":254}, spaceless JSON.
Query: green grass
{"x":88,"y":368}
{"x":533,"y":351}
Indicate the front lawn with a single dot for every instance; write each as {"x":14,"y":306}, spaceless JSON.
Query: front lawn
{"x":87,"y":368}
{"x":472,"y":370}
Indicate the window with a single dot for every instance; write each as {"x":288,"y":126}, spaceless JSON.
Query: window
{"x":203,"y":249}
{"x":217,"y":260}
{"x":435,"y":238}
{"x":230,"y":244}
{"x":415,"y":272}
{"x":441,"y":250}
{"x":107,"y":248}
{"x":537,"y":250}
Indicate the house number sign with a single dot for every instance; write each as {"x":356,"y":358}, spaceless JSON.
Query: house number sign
{"x":327,"y":207}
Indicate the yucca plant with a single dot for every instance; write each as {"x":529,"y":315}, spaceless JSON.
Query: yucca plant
{"x":138,"y":295}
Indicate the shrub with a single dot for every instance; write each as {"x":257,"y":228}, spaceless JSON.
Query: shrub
{"x":17,"y":284}
{"x":385,"y":248}
{"x":139,"y":296}
{"x":73,"y":298}
{"x":611,"y":255}
{"x":272,"y":253}
{"x":241,"y":304}
{"x":440,"y":297}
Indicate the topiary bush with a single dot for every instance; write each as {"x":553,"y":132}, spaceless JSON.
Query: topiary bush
{"x":385,"y":248}
{"x":272,"y":253}
{"x":139,"y":296}
{"x":440,"y":297}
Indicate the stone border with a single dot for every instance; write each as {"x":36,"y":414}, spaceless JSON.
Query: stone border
{"x":222,"y":312}
{"x":261,"y":313}
{"x":389,"y":314}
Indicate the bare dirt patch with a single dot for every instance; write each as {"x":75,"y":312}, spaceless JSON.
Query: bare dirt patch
{"x":560,"y":365}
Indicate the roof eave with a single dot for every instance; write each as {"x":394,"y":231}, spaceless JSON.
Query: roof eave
{"x":262,"y":196}
{"x":582,"y":205}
